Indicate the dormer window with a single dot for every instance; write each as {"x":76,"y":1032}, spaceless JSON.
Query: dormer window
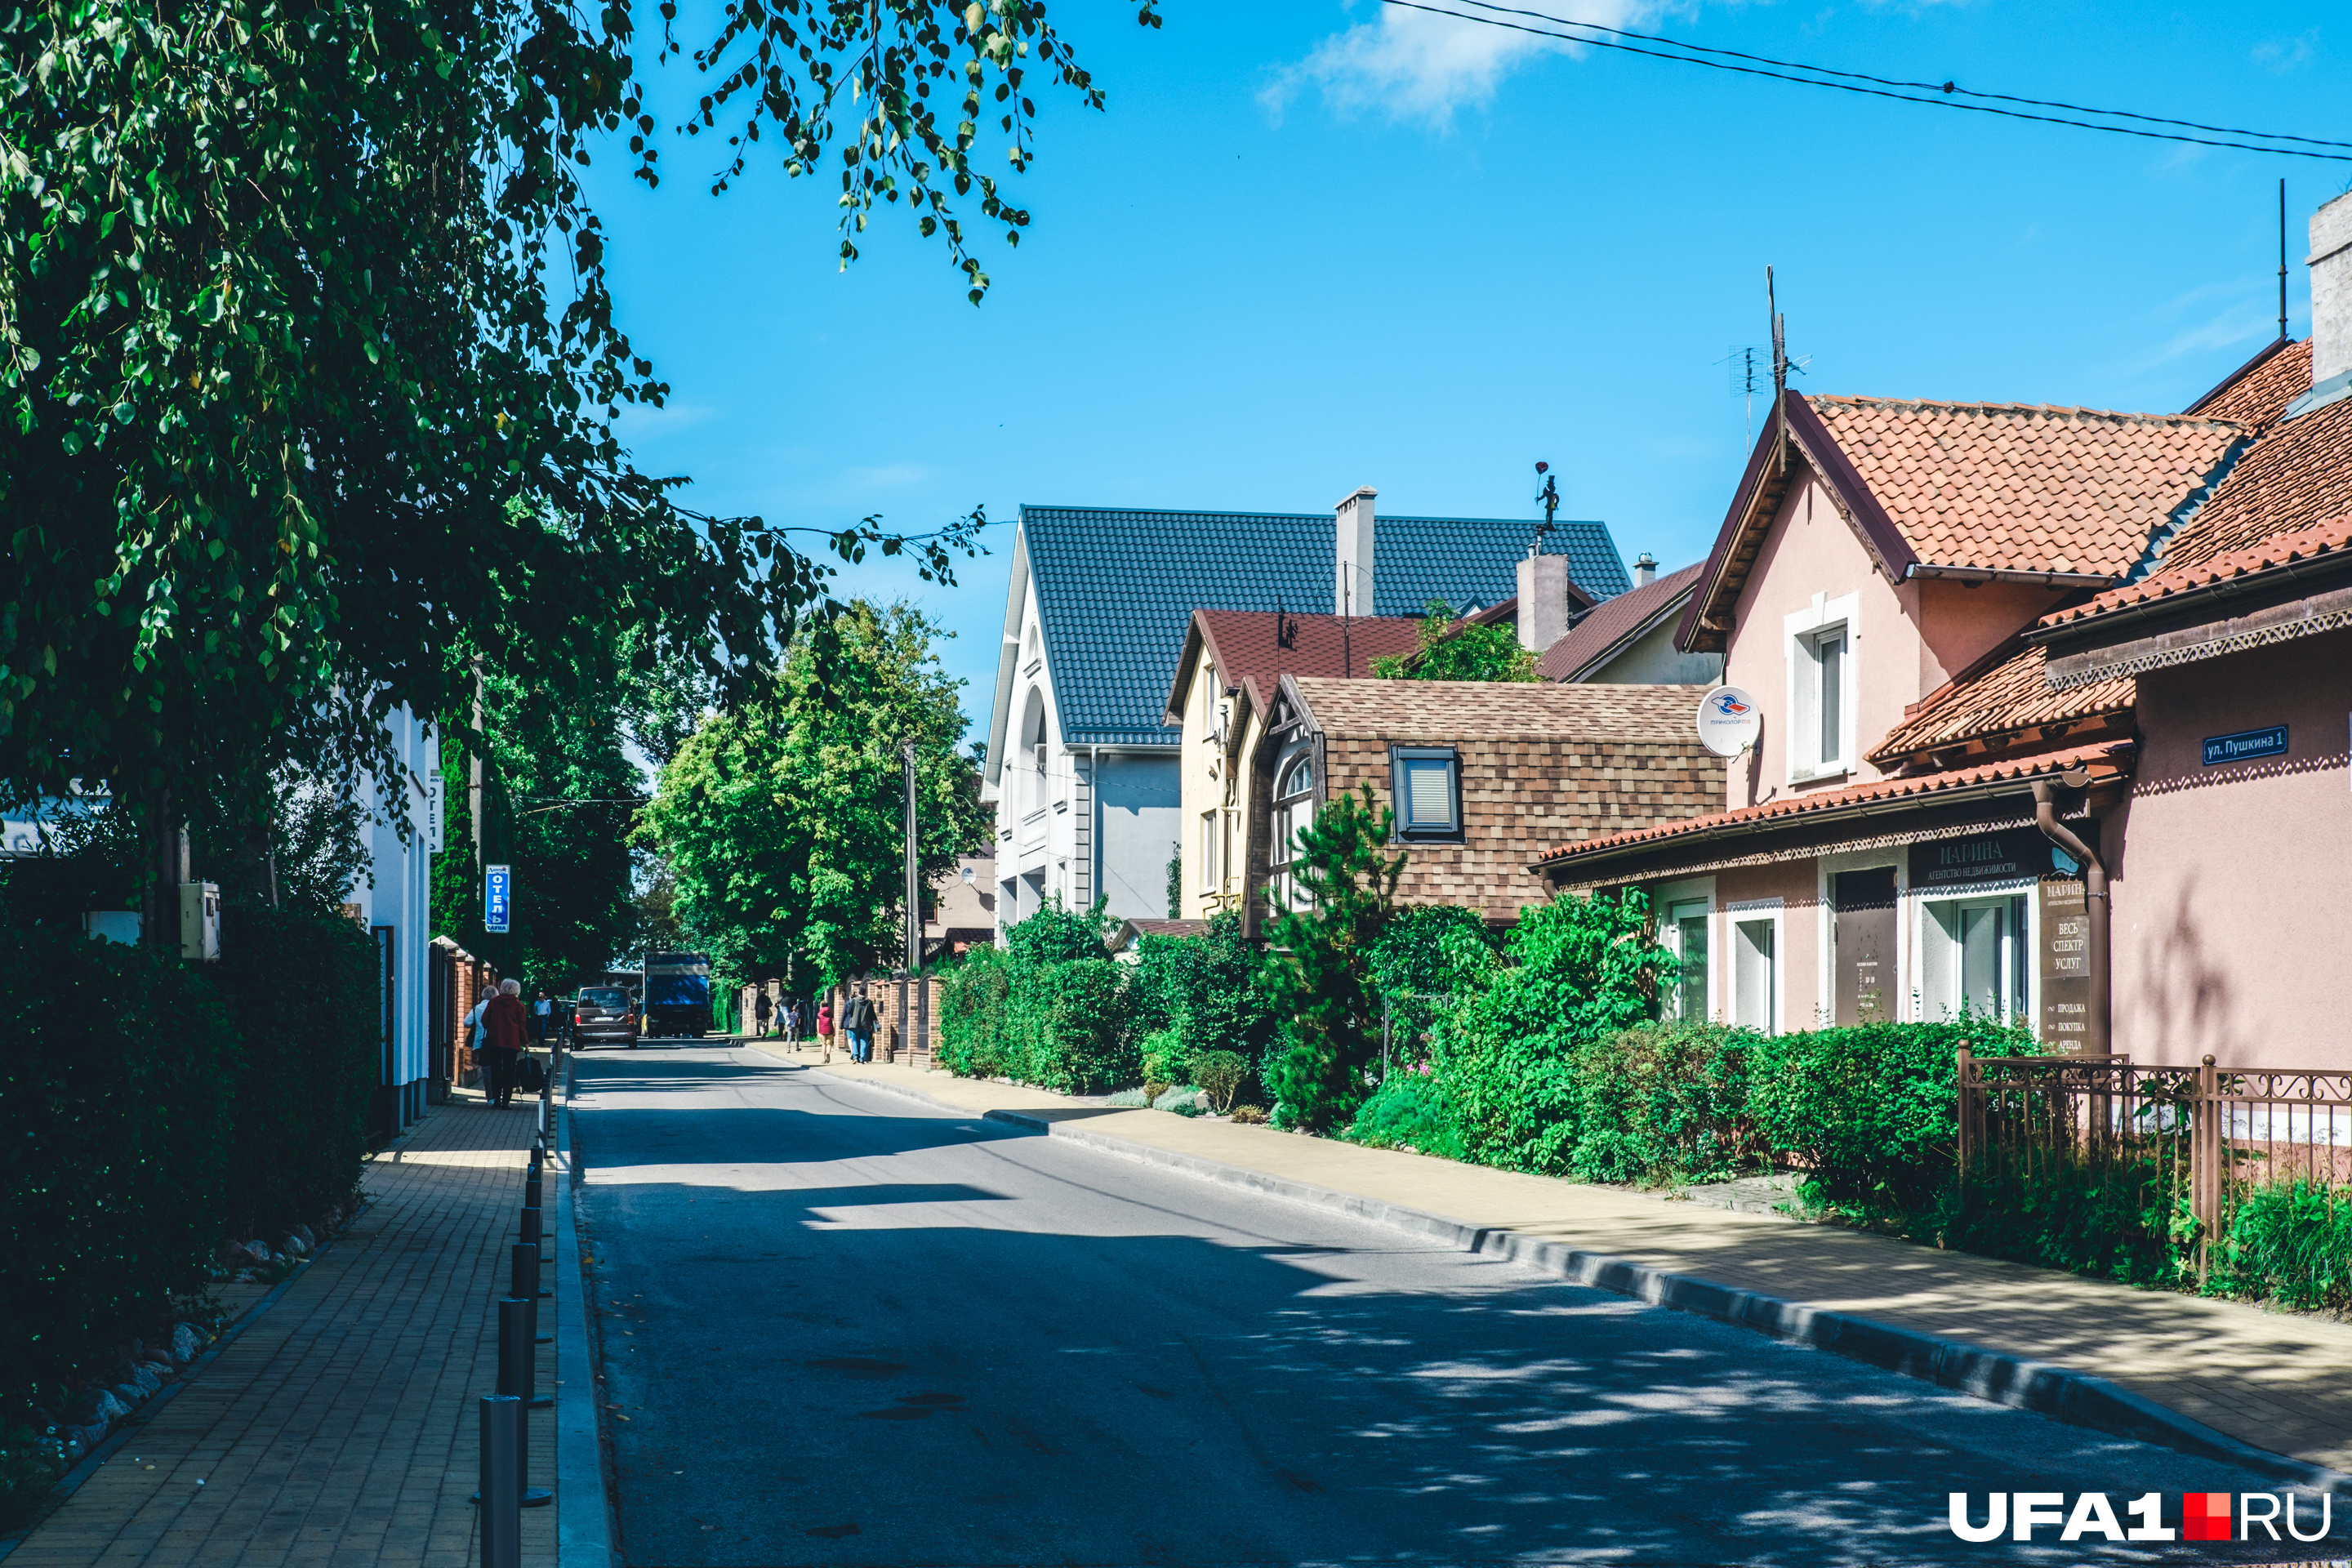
{"x":1820,"y":736}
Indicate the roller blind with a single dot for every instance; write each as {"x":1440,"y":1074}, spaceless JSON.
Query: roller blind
{"x":1429,"y":793}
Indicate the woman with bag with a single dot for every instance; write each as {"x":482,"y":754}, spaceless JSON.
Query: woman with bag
{"x":508,"y":1026}
{"x":824,"y":1028}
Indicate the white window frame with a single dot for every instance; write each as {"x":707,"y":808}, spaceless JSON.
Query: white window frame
{"x":1664,"y":898}
{"x":1281,"y":851}
{"x":1805,"y":631}
{"x":1922,"y":927}
{"x":1755,"y":911}
{"x":1213,"y":850}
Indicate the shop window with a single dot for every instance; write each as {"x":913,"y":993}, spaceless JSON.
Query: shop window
{"x":1683,"y":931}
{"x":1294,"y":809}
{"x":1973,"y":958}
{"x":1755,"y":973}
{"x":1427,"y":783}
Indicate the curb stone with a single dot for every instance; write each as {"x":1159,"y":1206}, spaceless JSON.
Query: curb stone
{"x":583,"y":1525}
{"x":1998,"y":1377}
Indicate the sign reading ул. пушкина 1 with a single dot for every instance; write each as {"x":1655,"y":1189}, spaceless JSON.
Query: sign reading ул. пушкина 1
{"x":2246,"y":744}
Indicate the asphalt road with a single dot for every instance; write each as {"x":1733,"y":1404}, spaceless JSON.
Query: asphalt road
{"x":840,"y":1327}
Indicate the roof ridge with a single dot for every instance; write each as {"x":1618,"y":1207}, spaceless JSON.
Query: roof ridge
{"x":2069,"y":410}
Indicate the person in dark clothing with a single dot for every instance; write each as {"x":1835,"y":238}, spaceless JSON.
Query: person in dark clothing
{"x":859,"y":1019}
{"x":507,"y":1027}
{"x":762,"y":1008}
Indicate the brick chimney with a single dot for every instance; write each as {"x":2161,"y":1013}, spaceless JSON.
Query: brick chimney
{"x":1543,"y":601}
{"x":1351,"y":581}
{"x":1645,"y":570}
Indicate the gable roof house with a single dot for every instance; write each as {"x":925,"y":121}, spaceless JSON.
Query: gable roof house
{"x":2116,"y":807}
{"x":1080,"y":765}
{"x":1630,"y":639}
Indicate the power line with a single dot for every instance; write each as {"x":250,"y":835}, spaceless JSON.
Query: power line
{"x":1947,"y":94}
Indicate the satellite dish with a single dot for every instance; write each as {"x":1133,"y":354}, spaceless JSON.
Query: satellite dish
{"x":1729,"y":721}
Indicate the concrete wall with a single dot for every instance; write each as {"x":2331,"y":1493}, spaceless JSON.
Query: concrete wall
{"x":2232,"y":934}
{"x":1139,"y":809}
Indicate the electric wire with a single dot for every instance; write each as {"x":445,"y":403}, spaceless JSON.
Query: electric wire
{"x":1948,"y":95}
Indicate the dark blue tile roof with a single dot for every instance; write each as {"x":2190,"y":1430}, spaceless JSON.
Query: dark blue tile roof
{"x":1116,"y":589}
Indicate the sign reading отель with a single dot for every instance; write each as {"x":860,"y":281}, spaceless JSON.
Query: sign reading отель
{"x":2245,"y":745}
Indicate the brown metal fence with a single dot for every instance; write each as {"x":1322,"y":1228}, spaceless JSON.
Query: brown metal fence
{"x":2200,"y":1138}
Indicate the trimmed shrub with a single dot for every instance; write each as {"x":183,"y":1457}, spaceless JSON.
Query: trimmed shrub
{"x":118,"y":1072}
{"x":1070,"y":1020}
{"x":975,"y":1034}
{"x":1665,"y":1102}
{"x":1130,"y":1099}
{"x":1222,"y":1075}
{"x":301,"y":991}
{"x":1165,"y":1059}
{"x":1184,"y":1100}
{"x":1250,"y":1115}
{"x":1407,"y":1112}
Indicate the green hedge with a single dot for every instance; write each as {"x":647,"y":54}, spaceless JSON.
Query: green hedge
{"x":974,"y":1037}
{"x":119,"y":1077}
{"x":149,"y":1108}
{"x":302,"y":991}
{"x":1070,"y":1021}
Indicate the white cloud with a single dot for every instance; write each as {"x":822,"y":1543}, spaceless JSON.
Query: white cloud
{"x":1413,"y":65}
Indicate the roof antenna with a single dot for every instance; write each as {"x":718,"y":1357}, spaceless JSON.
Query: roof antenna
{"x":1547,"y":498}
{"x":1779,"y":369}
{"x":2282,"y":337}
{"x":1347,"y":626}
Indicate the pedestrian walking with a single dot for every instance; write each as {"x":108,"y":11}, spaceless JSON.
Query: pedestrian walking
{"x":792,"y":1021}
{"x":505,"y":1023}
{"x":859,"y":1019}
{"x":760,"y":1009}
{"x":471,"y":1037}
{"x":824,"y":1028}
{"x":543,"y":1017}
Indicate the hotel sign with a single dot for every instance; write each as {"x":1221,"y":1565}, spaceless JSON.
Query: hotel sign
{"x":2245,"y":745}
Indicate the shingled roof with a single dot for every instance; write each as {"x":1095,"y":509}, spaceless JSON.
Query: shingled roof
{"x":1407,"y":710}
{"x":1117,"y":588}
{"x":1247,"y":649}
{"x":1608,"y":626}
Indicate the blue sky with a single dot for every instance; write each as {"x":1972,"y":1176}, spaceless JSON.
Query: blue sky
{"x":1312,"y":246}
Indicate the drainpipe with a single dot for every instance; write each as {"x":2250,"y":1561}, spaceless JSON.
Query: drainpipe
{"x":2100,"y":1042}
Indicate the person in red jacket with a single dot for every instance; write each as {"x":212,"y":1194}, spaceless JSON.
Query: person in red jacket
{"x":505,"y":1026}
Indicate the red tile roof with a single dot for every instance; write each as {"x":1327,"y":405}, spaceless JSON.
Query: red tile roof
{"x":2258,"y":391}
{"x":2010,"y":702}
{"x":2330,"y":538}
{"x":1246,"y":647}
{"x":2109,"y":759}
{"x":1612,"y":621}
{"x":2026,"y":487}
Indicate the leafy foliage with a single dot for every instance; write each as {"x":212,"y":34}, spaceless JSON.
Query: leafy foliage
{"x":1057,"y":934}
{"x":783,"y":821}
{"x":975,"y":1015}
{"x":1666,"y":1101}
{"x":1407,"y":1112}
{"x":1319,"y":983}
{"x":1195,"y":994}
{"x":309,"y":357}
{"x":1584,"y":968}
{"x":1220,"y":1074}
{"x":1455,"y":650}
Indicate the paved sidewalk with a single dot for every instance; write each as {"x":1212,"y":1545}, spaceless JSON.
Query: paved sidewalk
{"x":2277,"y":1381}
{"x":340,"y":1426}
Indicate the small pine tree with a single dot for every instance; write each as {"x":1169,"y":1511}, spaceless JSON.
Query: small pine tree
{"x":1320,"y":976}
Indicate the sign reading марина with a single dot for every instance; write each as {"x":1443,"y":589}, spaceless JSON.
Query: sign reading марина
{"x":2246,"y":744}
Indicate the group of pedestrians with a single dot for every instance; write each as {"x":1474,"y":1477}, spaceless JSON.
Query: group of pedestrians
{"x":860,"y":1018}
{"x":498,"y":1028}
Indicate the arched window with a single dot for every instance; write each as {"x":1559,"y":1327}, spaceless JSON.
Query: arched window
{"x":1294,"y":809}
{"x":1032,"y":749}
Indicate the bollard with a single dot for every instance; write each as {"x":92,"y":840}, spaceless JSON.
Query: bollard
{"x":522,"y":1283}
{"x":531,"y":1189}
{"x":503,"y":1439}
{"x":518,"y":1369}
{"x":531,"y":1239}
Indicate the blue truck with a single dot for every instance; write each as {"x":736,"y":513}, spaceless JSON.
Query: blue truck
{"x":677,"y":994}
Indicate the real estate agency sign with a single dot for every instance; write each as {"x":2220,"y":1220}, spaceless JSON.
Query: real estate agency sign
{"x":2062,"y":926}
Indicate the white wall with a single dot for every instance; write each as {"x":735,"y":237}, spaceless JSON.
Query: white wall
{"x":399,"y":892}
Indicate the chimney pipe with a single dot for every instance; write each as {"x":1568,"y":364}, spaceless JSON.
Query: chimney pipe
{"x":1352,"y":582}
{"x":1645,"y":570}
{"x":2331,"y":291}
{"x":1543,"y":601}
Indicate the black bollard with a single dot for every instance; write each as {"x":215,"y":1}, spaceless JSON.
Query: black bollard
{"x":531,"y":1189}
{"x":503,"y":1439}
{"x":524,"y":1494}
{"x":517,"y":1367}
{"x":523,"y":1282}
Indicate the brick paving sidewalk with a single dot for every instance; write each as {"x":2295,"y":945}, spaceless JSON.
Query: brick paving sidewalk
{"x":2279,"y":1381}
{"x":340,"y":1426}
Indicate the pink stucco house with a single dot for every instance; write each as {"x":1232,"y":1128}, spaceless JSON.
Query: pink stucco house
{"x":2056,"y":718}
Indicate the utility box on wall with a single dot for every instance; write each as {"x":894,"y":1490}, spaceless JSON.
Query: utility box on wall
{"x":200,"y":922}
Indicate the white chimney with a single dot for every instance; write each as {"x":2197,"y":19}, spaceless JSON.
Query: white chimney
{"x":1351,"y":583}
{"x":1645,"y":570}
{"x":2331,"y":290}
{"x":1543,"y":601}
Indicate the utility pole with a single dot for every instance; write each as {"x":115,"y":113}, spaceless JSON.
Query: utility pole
{"x":914,"y":872}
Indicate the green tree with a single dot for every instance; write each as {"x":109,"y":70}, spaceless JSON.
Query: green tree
{"x":1319,"y":979}
{"x":308,"y":355}
{"x":1452,"y":650}
{"x":782,"y":820}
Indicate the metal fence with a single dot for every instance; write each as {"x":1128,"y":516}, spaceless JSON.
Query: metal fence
{"x":2201,"y":1138}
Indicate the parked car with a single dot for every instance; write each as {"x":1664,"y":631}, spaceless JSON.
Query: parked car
{"x":603,"y":1013}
